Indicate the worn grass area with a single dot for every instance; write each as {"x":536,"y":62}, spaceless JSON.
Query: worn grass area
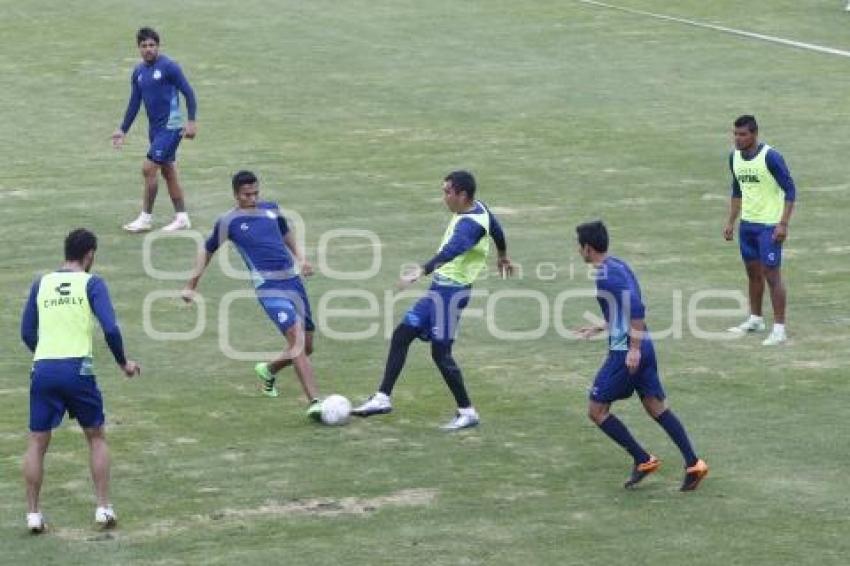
{"x":351,"y":113}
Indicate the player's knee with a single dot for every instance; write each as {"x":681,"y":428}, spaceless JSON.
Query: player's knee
{"x":597,"y":414}
{"x":773,"y":277}
{"x":149,"y":169}
{"x":95,"y":434}
{"x":442,"y":355}
{"x":403,"y":334}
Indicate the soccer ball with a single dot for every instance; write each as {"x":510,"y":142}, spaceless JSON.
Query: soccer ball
{"x":335,"y":410}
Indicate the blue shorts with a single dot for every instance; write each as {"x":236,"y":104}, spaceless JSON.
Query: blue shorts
{"x":757,"y":244}
{"x":164,"y":142}
{"x":437,"y":314}
{"x":57,"y":386}
{"x":285,"y":301}
{"x":613,"y":381}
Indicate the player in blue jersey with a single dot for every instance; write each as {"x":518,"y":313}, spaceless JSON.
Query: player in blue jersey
{"x":630,"y":365}
{"x":435,"y":317}
{"x":267,"y":245}
{"x":57,"y":327}
{"x":156,"y":81}
{"x":763,"y":193}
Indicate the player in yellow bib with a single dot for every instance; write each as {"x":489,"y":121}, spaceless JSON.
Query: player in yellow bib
{"x":763,"y":193}
{"x":57,"y":327}
{"x":461,"y":258}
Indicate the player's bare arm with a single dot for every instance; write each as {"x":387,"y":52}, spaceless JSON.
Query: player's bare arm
{"x":188,"y":294}
{"x":780,"y":232}
{"x":734,"y":211}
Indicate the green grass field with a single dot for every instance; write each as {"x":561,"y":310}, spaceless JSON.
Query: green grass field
{"x":351,"y":113}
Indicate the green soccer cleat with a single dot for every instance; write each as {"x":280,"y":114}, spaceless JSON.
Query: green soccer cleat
{"x":314,"y":411}
{"x":267,"y":379}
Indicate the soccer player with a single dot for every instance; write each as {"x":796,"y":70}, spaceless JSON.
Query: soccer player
{"x":267,"y":244}
{"x":156,"y":81}
{"x":57,"y":326}
{"x":630,"y":365}
{"x":763,"y":193}
{"x":435,"y":317}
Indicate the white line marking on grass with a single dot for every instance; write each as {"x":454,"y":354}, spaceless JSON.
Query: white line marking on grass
{"x":724,"y":29}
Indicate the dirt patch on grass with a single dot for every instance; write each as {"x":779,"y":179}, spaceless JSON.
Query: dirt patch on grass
{"x":330,"y":507}
{"x":315,"y":507}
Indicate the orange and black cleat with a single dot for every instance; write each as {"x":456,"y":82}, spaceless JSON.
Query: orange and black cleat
{"x":694,"y":475}
{"x":642,"y":470}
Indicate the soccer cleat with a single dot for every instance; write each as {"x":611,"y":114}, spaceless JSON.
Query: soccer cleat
{"x":35,"y":523}
{"x":749,"y":325}
{"x":642,"y":470}
{"x":775,"y":338}
{"x":314,"y":411}
{"x":461,"y":421}
{"x":105,"y":517}
{"x":377,"y":404}
{"x":267,"y":379}
{"x":694,"y":475}
{"x":180,"y":222}
{"x":140,"y":224}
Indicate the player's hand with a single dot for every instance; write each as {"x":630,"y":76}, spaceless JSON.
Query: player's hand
{"x":780,"y":232}
{"x":188,"y":295}
{"x":410,"y":278}
{"x":729,"y":232}
{"x":190,"y":130}
{"x":118,"y":137}
{"x":506,"y":268}
{"x":632,"y":360}
{"x":131,"y":368}
{"x":588,"y":332}
{"x":307,"y":268}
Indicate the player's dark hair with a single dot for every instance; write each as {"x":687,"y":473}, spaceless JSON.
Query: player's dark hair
{"x":593,"y":234}
{"x":78,"y":243}
{"x":462,"y":182}
{"x":747,"y":121}
{"x":146,"y":33}
{"x":243,"y":178}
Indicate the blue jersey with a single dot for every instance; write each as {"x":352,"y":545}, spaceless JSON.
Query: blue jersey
{"x":618,"y":293}
{"x":258,"y":235}
{"x":158,"y":84}
{"x":466,"y":234}
{"x":101,"y":306}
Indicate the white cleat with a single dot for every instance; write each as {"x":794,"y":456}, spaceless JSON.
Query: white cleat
{"x":105,"y":517}
{"x":180,"y":222}
{"x":140,"y":224}
{"x":377,"y":404}
{"x":35,"y":523}
{"x":461,"y":421}
{"x":775,"y":338}
{"x":748,"y":326}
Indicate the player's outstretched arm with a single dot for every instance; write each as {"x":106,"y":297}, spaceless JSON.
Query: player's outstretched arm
{"x":204,"y":258}
{"x":588,"y":332}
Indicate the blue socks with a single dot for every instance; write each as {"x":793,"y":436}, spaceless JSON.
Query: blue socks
{"x":674,"y":429}
{"x":617,"y":431}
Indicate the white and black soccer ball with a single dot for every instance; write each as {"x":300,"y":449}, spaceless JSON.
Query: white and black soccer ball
{"x":335,"y":410}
